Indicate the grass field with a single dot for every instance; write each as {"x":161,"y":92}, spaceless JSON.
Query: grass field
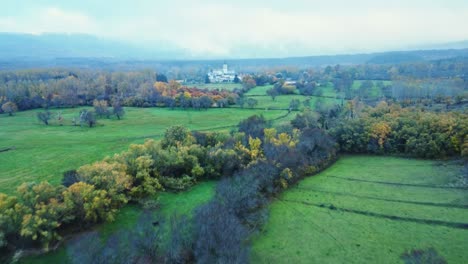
{"x":45,"y":152}
{"x":375,"y":92}
{"x":367,"y":210}
{"x":282,"y":101}
{"x":212,"y":86}
{"x":180,"y":203}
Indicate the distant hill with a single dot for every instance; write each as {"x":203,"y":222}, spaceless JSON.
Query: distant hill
{"x":449,"y":45}
{"x":51,"y":46}
{"x":86,"y":51}
{"x":415,"y":56}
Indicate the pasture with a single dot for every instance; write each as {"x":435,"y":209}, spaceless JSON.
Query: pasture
{"x":367,"y":209}
{"x":220,"y":86}
{"x":45,"y":152}
{"x":265,"y":101}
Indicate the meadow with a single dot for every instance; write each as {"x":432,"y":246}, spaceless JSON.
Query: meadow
{"x":363,"y":209}
{"x":374,"y":92}
{"x":213,"y":86}
{"x":367,"y":209}
{"x":265,"y":101}
{"x":43,"y":152}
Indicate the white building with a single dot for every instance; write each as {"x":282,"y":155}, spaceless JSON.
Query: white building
{"x":222,"y":75}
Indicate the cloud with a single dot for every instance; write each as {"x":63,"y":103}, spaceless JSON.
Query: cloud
{"x":247,"y":29}
{"x":50,"y":19}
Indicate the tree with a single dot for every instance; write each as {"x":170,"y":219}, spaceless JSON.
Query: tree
{"x":88,"y":204}
{"x":248,"y":82}
{"x":294,"y":105}
{"x":44,"y":117}
{"x":205,"y":102}
{"x":207,"y":79}
{"x":101,"y":108}
{"x":177,"y":135}
{"x":252,"y":102}
{"x":118,"y":109}
{"x":273,"y":93}
{"x":109,"y":176}
{"x":236,"y":79}
{"x":253,"y":126}
{"x":240,"y":101}
{"x":10,"y":108}
{"x":161,"y":78}
{"x":87,"y":117}
{"x":221,"y":237}
{"x":45,"y":212}
{"x":69,"y":178}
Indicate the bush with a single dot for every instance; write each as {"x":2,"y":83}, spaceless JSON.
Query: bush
{"x":419,"y":256}
{"x":69,"y":178}
{"x":220,"y":236}
{"x":178,"y":184}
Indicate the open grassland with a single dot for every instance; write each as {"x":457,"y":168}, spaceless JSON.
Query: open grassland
{"x":45,"y":152}
{"x":367,"y":210}
{"x":220,"y":86}
{"x":282,"y":101}
{"x":374,"y":92}
{"x":171,"y":203}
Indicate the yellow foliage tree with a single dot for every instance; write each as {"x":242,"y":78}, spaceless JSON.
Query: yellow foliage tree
{"x":380,"y":131}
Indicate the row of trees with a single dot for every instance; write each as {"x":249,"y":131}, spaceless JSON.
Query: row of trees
{"x":61,"y":88}
{"x":220,"y":230}
{"x":391,"y":129}
{"x":39,"y":213}
{"x":85,"y":117}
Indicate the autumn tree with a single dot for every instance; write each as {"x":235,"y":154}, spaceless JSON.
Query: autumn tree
{"x":88,"y":204}
{"x":248,"y":82}
{"x":109,"y":176}
{"x":10,"y":108}
{"x":101,"y":108}
{"x":44,"y":214}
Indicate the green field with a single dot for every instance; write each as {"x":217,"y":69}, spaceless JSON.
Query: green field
{"x":367,"y":210}
{"x":45,"y":152}
{"x":375,"y":92}
{"x":180,"y":203}
{"x":282,"y":101}
{"x":212,"y":86}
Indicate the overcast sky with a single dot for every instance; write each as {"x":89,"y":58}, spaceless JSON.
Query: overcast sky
{"x":249,"y":28}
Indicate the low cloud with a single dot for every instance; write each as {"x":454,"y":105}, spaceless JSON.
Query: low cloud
{"x":242,"y":30}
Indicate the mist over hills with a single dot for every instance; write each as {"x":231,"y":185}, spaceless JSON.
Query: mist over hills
{"x":51,"y":46}
{"x":80,"y":50}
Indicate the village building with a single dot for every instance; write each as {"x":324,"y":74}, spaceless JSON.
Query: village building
{"x":223,"y":75}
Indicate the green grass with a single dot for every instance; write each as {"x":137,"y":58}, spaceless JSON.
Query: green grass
{"x":375,"y":92}
{"x":259,"y":90}
{"x":328,"y":90}
{"x":283,"y":101}
{"x":45,"y":152}
{"x":180,"y":203}
{"x":213,"y":86}
{"x":300,"y":231}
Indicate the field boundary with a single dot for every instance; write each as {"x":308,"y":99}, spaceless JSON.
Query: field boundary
{"x":398,"y":184}
{"x":456,"y":225}
{"x":447,"y":205}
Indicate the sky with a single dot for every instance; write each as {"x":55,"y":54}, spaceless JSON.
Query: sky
{"x":248,"y":28}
